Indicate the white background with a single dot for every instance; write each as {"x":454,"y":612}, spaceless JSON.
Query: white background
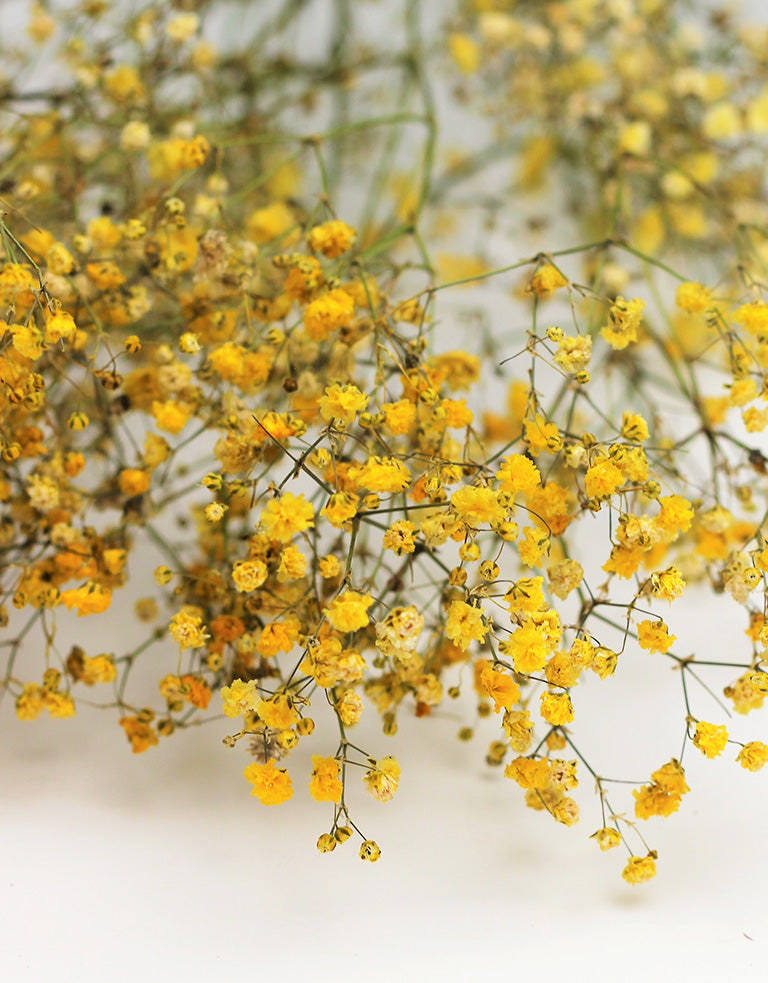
{"x":160,"y":866}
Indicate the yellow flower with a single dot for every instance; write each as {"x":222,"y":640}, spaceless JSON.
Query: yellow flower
{"x":654,"y":636}
{"x":542,"y":436}
{"x":59,"y":705}
{"x":293,"y":564}
{"x":518,"y":727}
{"x":624,"y":319}
{"x":278,"y":712}
{"x":653,"y":800}
{"x":272,"y":786}
{"x":564,"y":577}
{"x":671,"y":778}
{"x":710,"y":739}
{"x":328,"y":313}
{"x":104,"y":233}
{"x":123,"y":84}
{"x":693,"y":298}
{"x":106,"y":275}
{"x":349,"y":707}
{"x":188,"y":630}
{"x":278,"y":636}
{"x":328,"y":663}
{"x":465,"y":51}
{"x":27,"y":340}
{"x":635,"y":138}
{"x":370,"y":850}
{"x":574,"y":353}
{"x":528,"y":648}
{"x":171,"y":416}
{"x":400,"y":416}
{"x":528,"y":773}
{"x":753,"y":756}
{"x":607,"y":838}
{"x":341,"y":508}
{"x":383,"y":474}
{"x":60,"y":327}
{"x":133,"y":481}
{"x":329,"y":567}
{"x":545,"y":280}
{"x":675,"y":515}
{"x":342,"y":403}
{"x":400,"y":537}
{"x":349,"y":611}
{"x":634,"y":427}
{"x":141,"y":735}
{"x":281,"y":518}
{"x":499,"y":686}
{"x":331,"y":238}
{"x":477,"y":505}
{"x":518,"y":473}
{"x":566,"y":811}
{"x":668,"y":584}
{"x":270,"y":222}
{"x":91,"y":598}
{"x":325,"y":784}
{"x":602,"y":479}
{"x":526,"y":595}
{"x":181,"y":28}
{"x":29,"y":703}
{"x":240,"y":698}
{"x":639,"y":869}
{"x":753,"y":316}
{"x":382,"y":778}
{"x":99,"y":669}
{"x":248,"y":575}
{"x":457,"y":414}
{"x":465,"y":624}
{"x":556,"y":708}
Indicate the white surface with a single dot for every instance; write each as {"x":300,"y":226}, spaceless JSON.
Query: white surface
{"x":119,"y":866}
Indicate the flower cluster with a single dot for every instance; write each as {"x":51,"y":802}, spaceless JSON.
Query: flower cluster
{"x":201,"y":361}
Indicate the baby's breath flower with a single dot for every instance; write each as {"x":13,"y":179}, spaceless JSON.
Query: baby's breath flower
{"x":640,"y":869}
{"x":186,"y":628}
{"x":272,"y":786}
{"x":382,"y":778}
{"x":710,"y":739}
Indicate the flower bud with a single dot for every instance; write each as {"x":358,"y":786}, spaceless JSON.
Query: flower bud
{"x":369,"y":850}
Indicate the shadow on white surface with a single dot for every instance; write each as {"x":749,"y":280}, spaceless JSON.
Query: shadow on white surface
{"x":117,"y":866}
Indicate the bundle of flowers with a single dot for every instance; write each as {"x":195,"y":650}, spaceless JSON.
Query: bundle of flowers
{"x":235,"y":347}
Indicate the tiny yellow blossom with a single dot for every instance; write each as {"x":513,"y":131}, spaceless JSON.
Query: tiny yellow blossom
{"x":349,"y":611}
{"x":753,"y":756}
{"x":624,"y":319}
{"x":556,"y":708}
{"x":240,"y":698}
{"x":710,"y":739}
{"x":382,"y":778}
{"x":499,"y":686}
{"x":465,"y":624}
{"x":277,"y":712}
{"x":639,"y":869}
{"x":654,"y":636}
{"x":328,"y":313}
{"x":272,"y":786}
{"x":325,"y":784}
{"x":546,"y":280}
{"x":283,"y":517}
{"x":342,"y":403}
{"x":607,"y":838}
{"x":332,"y":239}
